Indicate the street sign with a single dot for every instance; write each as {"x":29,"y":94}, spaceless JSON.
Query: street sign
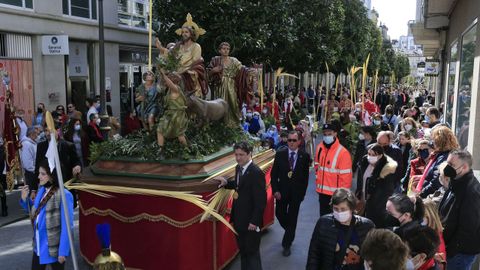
{"x":432,"y":68}
{"x":55,"y":45}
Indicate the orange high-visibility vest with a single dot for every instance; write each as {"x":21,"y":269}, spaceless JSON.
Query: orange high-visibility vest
{"x":333,"y":167}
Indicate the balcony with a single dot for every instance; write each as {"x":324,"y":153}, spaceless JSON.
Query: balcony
{"x":430,"y":39}
{"x":429,"y":32}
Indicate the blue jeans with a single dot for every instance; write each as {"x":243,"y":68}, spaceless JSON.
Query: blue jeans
{"x":460,"y":262}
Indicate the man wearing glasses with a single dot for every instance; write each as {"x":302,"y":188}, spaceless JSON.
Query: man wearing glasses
{"x":289,"y":179}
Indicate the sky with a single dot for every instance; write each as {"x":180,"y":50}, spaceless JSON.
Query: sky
{"x":395,"y":14}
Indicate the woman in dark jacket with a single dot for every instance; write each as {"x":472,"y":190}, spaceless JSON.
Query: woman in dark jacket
{"x":341,"y":229}
{"x":367,"y":136}
{"x":404,"y":143}
{"x":404,"y":213}
{"x":375,"y":183}
{"x":76,"y":134}
{"x":444,"y":141}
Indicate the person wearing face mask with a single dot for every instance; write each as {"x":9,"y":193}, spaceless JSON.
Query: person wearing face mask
{"x":93,"y":129}
{"x":333,"y":167}
{"x":383,"y":249}
{"x":389,"y":118}
{"x":377,"y":122}
{"x":385,"y":139}
{"x":460,"y":211}
{"x":405,"y":145}
{"x":410,"y":126}
{"x":444,"y":141}
{"x":76,"y":134}
{"x":50,"y":241}
{"x":417,"y":165}
{"x":39,"y":116}
{"x":433,"y":116}
{"x":338,"y":237}
{"x":366,"y":137}
{"x":375,"y":183}
{"x":404,"y":213}
{"x":423,"y":243}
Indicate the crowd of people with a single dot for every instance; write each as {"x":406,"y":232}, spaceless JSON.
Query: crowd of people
{"x":395,"y":185}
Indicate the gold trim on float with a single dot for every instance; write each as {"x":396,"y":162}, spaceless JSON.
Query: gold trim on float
{"x":139,"y":217}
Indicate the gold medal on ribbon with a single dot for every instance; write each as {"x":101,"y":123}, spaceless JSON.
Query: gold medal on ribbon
{"x":235,"y":195}
{"x":290,"y":173}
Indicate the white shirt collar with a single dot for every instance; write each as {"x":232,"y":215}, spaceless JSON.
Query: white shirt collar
{"x":290,"y":152}
{"x":244,"y":168}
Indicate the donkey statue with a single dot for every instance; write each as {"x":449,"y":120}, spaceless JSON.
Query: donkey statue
{"x":207,"y":110}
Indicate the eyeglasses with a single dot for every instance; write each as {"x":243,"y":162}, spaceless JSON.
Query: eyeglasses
{"x":292,"y":140}
{"x":69,"y":107}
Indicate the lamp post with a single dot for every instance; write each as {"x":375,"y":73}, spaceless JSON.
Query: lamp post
{"x":101,"y":52}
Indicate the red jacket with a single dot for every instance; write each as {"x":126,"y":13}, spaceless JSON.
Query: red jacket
{"x":370,"y":107}
{"x":417,"y":166}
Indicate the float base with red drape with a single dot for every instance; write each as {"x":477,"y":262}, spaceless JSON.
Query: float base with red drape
{"x":151,"y":232}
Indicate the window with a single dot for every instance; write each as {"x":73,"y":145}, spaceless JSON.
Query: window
{"x":18,"y":3}
{"x":80,"y":8}
{"x":133,"y":13}
{"x":465,"y":85}
{"x":452,"y":73}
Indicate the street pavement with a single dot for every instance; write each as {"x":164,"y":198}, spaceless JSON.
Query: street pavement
{"x":271,"y":245}
{"x":16,"y":238}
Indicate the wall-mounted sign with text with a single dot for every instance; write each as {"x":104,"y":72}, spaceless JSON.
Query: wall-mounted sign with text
{"x":432,"y":68}
{"x":55,"y":45}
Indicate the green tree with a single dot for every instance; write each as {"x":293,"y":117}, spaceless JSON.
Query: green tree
{"x":402,"y":66}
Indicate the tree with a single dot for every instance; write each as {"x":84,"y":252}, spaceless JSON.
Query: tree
{"x":402,"y":66}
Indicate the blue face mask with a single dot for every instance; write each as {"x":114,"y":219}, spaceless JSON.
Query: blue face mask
{"x":410,"y":265}
{"x":328,"y":139}
{"x":427,"y":119}
{"x":377,"y":122}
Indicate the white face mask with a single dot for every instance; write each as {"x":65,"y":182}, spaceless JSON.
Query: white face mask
{"x":342,"y":216}
{"x":366,"y":266}
{"x":361,"y":137}
{"x":408,"y":127}
{"x":372,"y":160}
{"x":98,"y":121}
{"x":335,"y":109}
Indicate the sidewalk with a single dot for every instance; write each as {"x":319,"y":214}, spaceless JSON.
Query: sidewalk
{"x":15,"y":211}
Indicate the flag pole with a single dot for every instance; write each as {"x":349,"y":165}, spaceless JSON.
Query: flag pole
{"x":53,"y":143}
{"x":150,"y":35}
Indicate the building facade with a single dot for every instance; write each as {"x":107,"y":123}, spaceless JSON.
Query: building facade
{"x":450,"y":34}
{"x":33,"y":30}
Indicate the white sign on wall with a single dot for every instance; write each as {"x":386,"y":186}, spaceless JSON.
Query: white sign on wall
{"x":77,"y":60}
{"x":55,"y":45}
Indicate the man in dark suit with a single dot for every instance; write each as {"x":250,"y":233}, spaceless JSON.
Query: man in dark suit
{"x":250,"y":199}
{"x":69,"y":161}
{"x":289,"y":185}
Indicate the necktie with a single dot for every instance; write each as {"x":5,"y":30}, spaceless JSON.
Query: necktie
{"x":291,"y":160}
{"x":239,"y":173}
